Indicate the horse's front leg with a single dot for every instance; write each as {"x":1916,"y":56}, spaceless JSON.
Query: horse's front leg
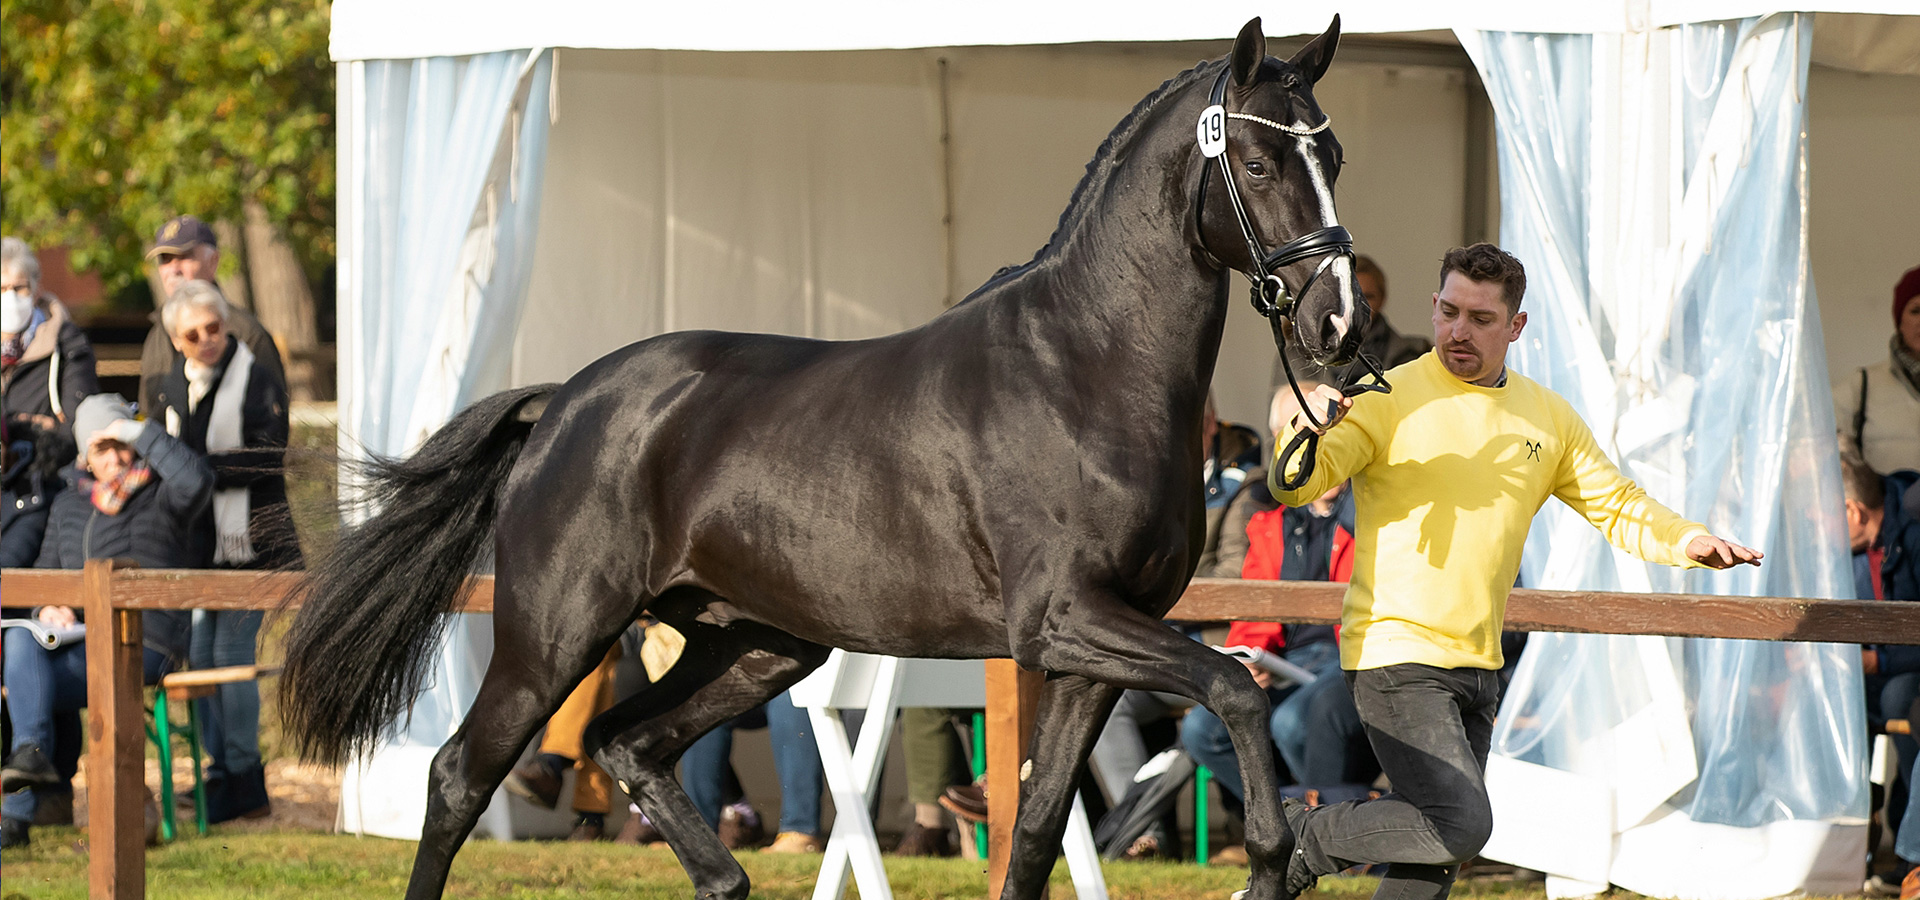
{"x":1104,"y":639}
{"x":1072,"y":710}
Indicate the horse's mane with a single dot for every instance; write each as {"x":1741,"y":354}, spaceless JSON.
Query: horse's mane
{"x":1097,"y":169}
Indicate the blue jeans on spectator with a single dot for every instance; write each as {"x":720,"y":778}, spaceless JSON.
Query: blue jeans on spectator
{"x":1320,"y":737}
{"x":1205,"y":736}
{"x":1906,"y":842}
{"x":41,"y":682}
{"x":706,"y":769}
{"x":230,"y":719}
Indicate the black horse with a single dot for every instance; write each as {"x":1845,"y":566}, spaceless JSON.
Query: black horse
{"x":1019,"y":477}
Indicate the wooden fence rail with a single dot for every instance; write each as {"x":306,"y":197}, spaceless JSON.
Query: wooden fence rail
{"x":113,"y":595}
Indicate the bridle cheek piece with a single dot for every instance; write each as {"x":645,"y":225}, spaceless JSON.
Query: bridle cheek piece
{"x":1271,"y":299}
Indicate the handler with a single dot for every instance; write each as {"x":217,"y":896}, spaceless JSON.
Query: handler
{"x":1448,"y":472}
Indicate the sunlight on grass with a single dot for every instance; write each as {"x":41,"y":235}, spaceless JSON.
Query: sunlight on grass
{"x":230,"y":866}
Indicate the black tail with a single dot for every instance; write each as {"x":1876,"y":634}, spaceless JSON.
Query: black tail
{"x":372,"y":612}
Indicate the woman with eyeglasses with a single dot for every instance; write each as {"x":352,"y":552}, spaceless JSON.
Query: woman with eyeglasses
{"x":46,"y":363}
{"x":222,"y":402}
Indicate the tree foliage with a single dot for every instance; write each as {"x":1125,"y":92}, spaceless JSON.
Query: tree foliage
{"x":120,"y":114}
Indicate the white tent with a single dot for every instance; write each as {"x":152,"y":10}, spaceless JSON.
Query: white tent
{"x":509,"y":212}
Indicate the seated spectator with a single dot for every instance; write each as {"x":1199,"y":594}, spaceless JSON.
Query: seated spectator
{"x":34,"y":458}
{"x":131,"y":495}
{"x":225,"y":404}
{"x":706,"y":772}
{"x":1231,"y":474}
{"x":1883,"y":527}
{"x":1312,"y":543}
{"x":1878,"y":411}
{"x":46,"y":364}
{"x":561,"y":748}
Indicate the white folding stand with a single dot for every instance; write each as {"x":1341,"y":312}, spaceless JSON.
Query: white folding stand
{"x":882,"y":685}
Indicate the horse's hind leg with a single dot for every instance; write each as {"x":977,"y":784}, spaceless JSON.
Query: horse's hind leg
{"x":1072,"y":711}
{"x":536,"y":662}
{"x":724,"y":671}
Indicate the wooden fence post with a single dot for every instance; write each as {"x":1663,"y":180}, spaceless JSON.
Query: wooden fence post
{"x":116,"y":830}
{"x":1013,"y":694}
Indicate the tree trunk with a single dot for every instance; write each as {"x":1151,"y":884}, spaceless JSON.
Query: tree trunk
{"x":234,"y":286}
{"x":283,"y":300}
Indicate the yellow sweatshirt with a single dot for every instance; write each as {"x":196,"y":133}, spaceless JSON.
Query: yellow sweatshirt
{"x":1447,"y":476}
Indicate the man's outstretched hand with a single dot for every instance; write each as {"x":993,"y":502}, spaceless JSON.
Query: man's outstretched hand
{"x":1720,"y":553}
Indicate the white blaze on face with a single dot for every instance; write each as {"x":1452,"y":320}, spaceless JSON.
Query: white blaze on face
{"x":1342,"y":268}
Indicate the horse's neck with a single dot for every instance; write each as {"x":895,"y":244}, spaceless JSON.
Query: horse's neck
{"x":1124,"y":285}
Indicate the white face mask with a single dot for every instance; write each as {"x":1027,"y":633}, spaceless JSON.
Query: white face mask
{"x":16,"y":310}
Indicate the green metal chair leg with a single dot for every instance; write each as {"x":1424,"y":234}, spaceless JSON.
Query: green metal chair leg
{"x":163,"y":740}
{"x":979,"y":769}
{"x":199,"y":779}
{"x":1201,"y":776}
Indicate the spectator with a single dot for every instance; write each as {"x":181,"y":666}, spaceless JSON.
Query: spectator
{"x":34,"y":458}
{"x":1879,"y":410}
{"x":132,"y":494}
{"x":1883,"y":527}
{"x":185,"y":249}
{"x":936,"y":761}
{"x":1314,"y":724}
{"x":46,"y":366}
{"x":538,"y":779}
{"x":1379,"y":341}
{"x":1906,"y":842}
{"x":224,"y":404}
{"x":710,"y":781}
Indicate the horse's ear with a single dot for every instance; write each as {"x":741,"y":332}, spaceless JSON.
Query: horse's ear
{"x":1317,"y":55}
{"x":1249,"y":51}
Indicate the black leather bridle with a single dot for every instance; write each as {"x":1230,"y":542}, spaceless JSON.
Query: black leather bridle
{"x":1270,"y":296}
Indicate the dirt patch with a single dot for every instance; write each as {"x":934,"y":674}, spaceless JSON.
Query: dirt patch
{"x":305,"y":797}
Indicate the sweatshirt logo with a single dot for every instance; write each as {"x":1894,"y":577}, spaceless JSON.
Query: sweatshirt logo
{"x":1533,"y":448}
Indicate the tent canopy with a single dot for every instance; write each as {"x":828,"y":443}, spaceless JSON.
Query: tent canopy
{"x":411,"y":29}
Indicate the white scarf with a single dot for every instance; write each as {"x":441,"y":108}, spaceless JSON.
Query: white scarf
{"x":231,"y":507}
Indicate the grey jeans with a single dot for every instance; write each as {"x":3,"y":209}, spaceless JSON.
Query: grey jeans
{"x":1430,"y":729}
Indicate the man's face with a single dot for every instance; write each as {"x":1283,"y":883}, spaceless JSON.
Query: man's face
{"x":1910,"y":327}
{"x":200,"y":262}
{"x":1472,"y":329}
{"x":1372,"y":289}
{"x":106,"y":459}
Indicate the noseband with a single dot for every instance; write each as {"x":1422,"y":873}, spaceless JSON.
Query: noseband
{"x":1271,"y":299}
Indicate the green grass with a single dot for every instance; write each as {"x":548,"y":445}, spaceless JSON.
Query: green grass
{"x":230,"y":866}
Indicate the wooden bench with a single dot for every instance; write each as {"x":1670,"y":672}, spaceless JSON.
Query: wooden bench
{"x":114,"y":593}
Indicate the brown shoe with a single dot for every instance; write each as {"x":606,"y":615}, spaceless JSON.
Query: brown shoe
{"x":919,"y":840}
{"x":535,"y":781}
{"x":638,"y":832}
{"x":588,"y":827}
{"x":1145,"y":846}
{"x":1910,"y":886}
{"x":967,"y":802}
{"x":739,"y":829}
{"x":795,"y":842}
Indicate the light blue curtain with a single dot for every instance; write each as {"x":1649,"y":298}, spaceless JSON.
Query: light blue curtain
{"x":1671,"y":302}
{"x":445,"y":211}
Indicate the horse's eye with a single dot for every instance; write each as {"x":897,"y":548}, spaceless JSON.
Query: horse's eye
{"x":1256,"y":168}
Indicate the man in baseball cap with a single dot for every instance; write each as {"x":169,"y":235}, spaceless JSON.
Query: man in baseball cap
{"x":187,"y":249}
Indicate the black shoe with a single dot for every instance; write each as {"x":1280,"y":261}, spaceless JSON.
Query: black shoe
{"x":13,"y":833}
{"x":243,"y":795}
{"x":537,"y":781}
{"x":28,"y":767}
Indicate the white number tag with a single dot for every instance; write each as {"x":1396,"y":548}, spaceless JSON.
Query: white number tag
{"x":1212,"y":131}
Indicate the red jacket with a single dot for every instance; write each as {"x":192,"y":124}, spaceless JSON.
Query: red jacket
{"x":1266,"y":546}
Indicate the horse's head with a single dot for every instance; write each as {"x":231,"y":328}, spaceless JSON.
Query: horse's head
{"x":1275,"y":219}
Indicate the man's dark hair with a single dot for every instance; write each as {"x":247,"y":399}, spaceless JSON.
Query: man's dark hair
{"x":1486,"y":263}
{"x":1859,"y":482}
{"x":1364,"y":265}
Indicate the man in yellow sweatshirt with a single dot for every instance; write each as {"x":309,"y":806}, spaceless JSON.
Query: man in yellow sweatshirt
{"x":1448,"y":472}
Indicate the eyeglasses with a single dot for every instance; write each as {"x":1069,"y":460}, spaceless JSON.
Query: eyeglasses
{"x":212,"y":332}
